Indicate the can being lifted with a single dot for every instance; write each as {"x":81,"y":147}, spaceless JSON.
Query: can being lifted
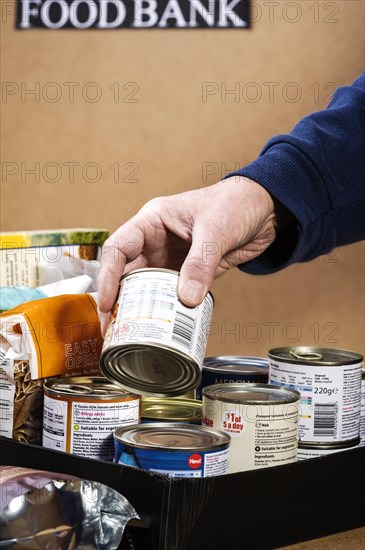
{"x":176,"y":450}
{"x":233,"y":368}
{"x":329,"y":381}
{"x":155,"y":345}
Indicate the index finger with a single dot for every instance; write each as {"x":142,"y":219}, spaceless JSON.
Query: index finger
{"x":123,"y":246}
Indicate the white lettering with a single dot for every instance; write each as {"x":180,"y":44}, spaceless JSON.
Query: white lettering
{"x":111,"y":14}
{"x":28,"y":11}
{"x":226,"y":11}
{"x":93,"y":14}
{"x":45,"y":16}
{"x":207,"y":14}
{"x":149,"y":10}
{"x":104,"y":11}
{"x":172,"y":11}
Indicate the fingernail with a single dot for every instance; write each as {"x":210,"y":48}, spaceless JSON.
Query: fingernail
{"x":192,"y":292}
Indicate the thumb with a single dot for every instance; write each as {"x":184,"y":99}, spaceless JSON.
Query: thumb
{"x":198,"y":270}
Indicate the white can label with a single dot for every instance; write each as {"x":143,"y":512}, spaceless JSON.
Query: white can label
{"x":261,"y":435}
{"x":303,"y":454}
{"x":216,"y":464}
{"x":91,"y":425}
{"x":362,"y":414}
{"x":7,"y":386}
{"x":330,"y":398}
{"x":54,"y":423}
{"x":150,"y":312}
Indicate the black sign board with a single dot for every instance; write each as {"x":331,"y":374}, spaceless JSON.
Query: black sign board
{"x":132,"y":14}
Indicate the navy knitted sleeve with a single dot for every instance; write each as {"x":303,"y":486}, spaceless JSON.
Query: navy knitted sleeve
{"x":318,"y":173}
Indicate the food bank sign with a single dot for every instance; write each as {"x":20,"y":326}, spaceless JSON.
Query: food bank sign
{"x":133,"y":14}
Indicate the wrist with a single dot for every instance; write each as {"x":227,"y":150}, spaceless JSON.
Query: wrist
{"x":275,"y":211}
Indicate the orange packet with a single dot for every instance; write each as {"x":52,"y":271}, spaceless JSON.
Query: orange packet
{"x":58,"y":336}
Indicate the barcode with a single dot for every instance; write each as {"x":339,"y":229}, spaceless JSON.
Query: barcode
{"x":203,"y":333}
{"x":325,"y":419}
{"x":183,"y":329}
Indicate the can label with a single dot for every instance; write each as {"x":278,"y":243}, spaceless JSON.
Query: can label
{"x":85,"y":428}
{"x":175,"y":464}
{"x":362,"y":413}
{"x":148,"y":311}
{"x":330,"y":398}
{"x":261,"y":435}
{"x":224,"y":377}
{"x":304,"y":453}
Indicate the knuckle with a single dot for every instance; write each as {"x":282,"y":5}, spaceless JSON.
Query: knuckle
{"x":154,"y":205}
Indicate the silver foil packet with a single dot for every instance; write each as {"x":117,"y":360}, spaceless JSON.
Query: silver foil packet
{"x":51,"y":511}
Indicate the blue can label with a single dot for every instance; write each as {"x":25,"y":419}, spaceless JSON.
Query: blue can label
{"x":174,"y":463}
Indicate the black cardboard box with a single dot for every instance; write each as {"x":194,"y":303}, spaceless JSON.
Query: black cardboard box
{"x":255,"y":510}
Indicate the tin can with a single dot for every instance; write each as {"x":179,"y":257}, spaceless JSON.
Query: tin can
{"x":233,"y":368}
{"x":262,"y":421}
{"x":324,"y":449}
{"x":154,"y":344}
{"x":362,"y":408}
{"x":176,"y":450}
{"x":329,"y":381}
{"x":81,"y":413}
{"x":175,"y":409}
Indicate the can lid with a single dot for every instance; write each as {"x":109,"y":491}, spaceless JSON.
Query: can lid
{"x":315,"y":356}
{"x":177,"y":409}
{"x":175,"y":437}
{"x":332,"y":445}
{"x":150,"y":369}
{"x":251,"y":394}
{"x":158,"y":270}
{"x":149,"y":270}
{"x":83,"y":386}
{"x":237,"y":364}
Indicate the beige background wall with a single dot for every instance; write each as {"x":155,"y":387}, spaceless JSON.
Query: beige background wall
{"x":139,"y":126}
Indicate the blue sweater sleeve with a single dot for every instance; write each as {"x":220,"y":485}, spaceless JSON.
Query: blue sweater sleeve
{"x":318,"y":173}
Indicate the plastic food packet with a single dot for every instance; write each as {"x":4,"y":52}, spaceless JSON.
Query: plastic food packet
{"x":57,"y":336}
{"x":39,"y":257}
{"x":42,"y":509}
{"x":12,"y":296}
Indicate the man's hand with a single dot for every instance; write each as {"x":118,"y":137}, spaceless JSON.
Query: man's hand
{"x":201,"y":233}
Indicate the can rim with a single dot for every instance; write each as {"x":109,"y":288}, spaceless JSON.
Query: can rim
{"x":223,"y":438}
{"x":192,"y":406}
{"x":163,"y":270}
{"x":115,"y":374}
{"x":212,"y":390}
{"x":324,"y":445}
{"x":285,"y":354}
{"x":68,"y":387}
{"x":221,"y":363}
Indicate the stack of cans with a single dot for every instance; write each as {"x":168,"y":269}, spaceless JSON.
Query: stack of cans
{"x":170,"y":409}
